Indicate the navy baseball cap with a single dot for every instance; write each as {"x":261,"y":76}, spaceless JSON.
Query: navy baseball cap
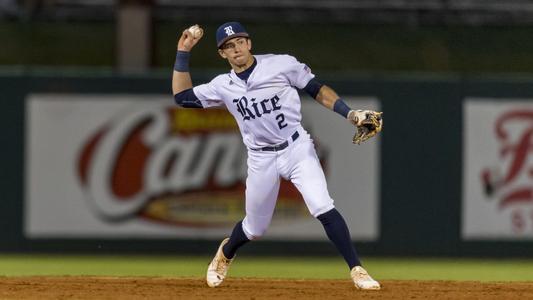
{"x":228,"y":31}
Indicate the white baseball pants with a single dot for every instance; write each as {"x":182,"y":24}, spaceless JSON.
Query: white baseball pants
{"x":297,"y":163}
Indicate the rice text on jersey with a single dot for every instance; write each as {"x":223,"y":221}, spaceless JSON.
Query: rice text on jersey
{"x":260,"y":108}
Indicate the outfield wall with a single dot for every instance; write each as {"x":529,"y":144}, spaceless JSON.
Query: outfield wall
{"x":449,"y":175}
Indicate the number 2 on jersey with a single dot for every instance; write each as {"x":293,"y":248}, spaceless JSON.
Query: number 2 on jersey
{"x":281,"y":121}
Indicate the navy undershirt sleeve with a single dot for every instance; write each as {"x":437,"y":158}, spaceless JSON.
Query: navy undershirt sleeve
{"x":313,"y":87}
{"x":187,"y":99}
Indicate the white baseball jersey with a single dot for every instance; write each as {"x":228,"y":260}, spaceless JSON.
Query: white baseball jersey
{"x":267,"y":105}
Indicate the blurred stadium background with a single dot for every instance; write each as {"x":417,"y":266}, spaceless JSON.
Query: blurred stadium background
{"x":450,"y":177}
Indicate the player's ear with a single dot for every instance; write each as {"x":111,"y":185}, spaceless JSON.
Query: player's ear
{"x":222,"y":54}
{"x":249,"y":44}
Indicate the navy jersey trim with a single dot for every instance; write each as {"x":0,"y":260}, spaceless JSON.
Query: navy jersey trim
{"x":244,"y":75}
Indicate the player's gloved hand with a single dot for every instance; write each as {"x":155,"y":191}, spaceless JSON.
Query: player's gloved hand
{"x":368,"y":123}
{"x":188,"y":39}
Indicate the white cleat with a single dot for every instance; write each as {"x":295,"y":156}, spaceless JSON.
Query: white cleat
{"x":218,"y":268}
{"x":362,"y":280}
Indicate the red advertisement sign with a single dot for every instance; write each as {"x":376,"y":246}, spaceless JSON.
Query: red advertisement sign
{"x":121,"y":166}
{"x":498,"y":169}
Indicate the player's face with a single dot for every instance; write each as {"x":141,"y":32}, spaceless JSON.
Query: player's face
{"x":237,"y":51}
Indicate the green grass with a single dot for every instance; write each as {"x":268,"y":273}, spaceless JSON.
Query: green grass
{"x":300,"y":268}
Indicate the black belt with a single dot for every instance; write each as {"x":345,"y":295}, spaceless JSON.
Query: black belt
{"x":278,"y":147}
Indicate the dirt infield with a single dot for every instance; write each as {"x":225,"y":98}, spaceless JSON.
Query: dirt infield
{"x":254,"y":289}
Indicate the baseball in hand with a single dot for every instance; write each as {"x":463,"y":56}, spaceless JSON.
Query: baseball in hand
{"x":196,"y":31}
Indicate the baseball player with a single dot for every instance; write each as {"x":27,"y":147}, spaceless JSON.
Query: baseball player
{"x":261,"y":93}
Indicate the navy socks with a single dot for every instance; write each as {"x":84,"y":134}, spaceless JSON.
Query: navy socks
{"x":236,"y":240}
{"x":338,"y":233}
{"x":334,"y":225}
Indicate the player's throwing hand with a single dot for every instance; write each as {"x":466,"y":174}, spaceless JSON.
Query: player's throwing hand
{"x":190,"y":37}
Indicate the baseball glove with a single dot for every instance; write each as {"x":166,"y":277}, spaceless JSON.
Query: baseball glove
{"x":368,"y":123}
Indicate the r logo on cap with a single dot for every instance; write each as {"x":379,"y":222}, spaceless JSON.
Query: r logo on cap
{"x":229,"y":30}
